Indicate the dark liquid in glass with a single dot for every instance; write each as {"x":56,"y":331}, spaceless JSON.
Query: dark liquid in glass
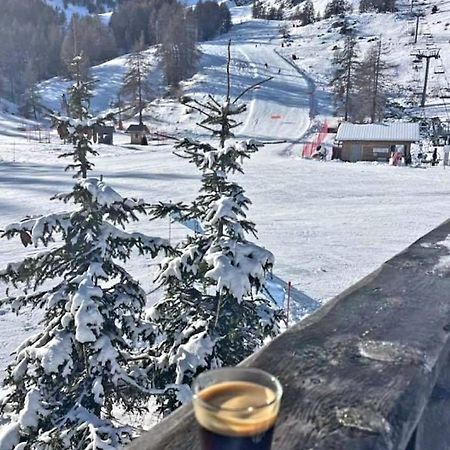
{"x":236,"y":415}
{"x":214,"y":441}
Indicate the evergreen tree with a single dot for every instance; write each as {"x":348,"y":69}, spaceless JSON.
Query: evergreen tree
{"x":213,"y":313}
{"x":211,"y":19}
{"x":88,"y":35}
{"x":257,"y":9}
{"x":178,"y":50}
{"x":31,"y":102}
{"x":80,"y":93}
{"x":377,"y":5}
{"x":345,"y":72}
{"x":66,"y":382}
{"x":135,"y":85}
{"x":337,"y":8}
{"x":371,"y":85}
{"x":225,"y":18}
{"x":308,"y":14}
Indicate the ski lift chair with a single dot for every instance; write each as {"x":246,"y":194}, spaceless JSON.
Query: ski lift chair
{"x":445,"y":93}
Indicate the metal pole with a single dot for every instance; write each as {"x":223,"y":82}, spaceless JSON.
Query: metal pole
{"x":424,"y":93}
{"x":417,"y":30}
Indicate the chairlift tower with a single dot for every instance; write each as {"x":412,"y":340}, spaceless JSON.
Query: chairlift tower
{"x":427,"y":54}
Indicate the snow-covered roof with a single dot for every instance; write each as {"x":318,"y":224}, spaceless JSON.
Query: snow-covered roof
{"x":387,"y":132}
{"x":136,"y":128}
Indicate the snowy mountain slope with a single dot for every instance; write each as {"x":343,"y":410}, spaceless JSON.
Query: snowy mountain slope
{"x":314,"y":47}
{"x":281,"y":109}
{"x":290,"y":7}
{"x":12,"y":125}
{"x":80,"y":7}
{"x":109,"y":77}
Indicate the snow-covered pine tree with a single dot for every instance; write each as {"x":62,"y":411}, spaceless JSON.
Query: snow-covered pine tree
{"x":80,"y":93}
{"x":67,"y":382}
{"x":213,"y":312}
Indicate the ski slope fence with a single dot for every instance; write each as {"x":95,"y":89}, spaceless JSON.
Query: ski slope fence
{"x":309,"y":148}
{"x":38,"y":134}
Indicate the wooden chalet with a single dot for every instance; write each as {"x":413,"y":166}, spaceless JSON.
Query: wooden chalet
{"x":375,"y":142}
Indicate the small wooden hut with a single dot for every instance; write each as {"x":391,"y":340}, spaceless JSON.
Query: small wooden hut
{"x":138,"y":133}
{"x":375,"y":142}
{"x":103,"y":134}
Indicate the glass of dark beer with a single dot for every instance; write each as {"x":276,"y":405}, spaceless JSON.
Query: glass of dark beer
{"x":236,"y":408}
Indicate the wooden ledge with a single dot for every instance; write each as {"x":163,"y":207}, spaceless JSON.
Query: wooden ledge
{"x":360,"y":372}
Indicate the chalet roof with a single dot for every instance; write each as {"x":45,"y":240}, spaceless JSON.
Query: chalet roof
{"x":137,"y":128}
{"x":106,"y":129}
{"x":387,"y":132}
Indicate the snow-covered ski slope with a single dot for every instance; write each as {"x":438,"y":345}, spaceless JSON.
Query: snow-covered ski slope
{"x":328,"y":224}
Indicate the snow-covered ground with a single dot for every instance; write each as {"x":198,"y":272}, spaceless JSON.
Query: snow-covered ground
{"x":328,"y":224}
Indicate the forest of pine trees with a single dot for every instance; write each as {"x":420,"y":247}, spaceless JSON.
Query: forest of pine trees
{"x":36,"y":43}
{"x":303,"y":11}
{"x":360,"y":83}
{"x":148,"y":20}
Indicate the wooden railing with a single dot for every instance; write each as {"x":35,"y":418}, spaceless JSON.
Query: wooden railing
{"x":369,"y":370}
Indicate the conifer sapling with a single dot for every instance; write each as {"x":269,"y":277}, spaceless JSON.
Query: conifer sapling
{"x":65,"y":383}
{"x":213,"y":312}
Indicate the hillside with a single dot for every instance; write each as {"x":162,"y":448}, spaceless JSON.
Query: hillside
{"x":82,"y":7}
{"x":314,"y":48}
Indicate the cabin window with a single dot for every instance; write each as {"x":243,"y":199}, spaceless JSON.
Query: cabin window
{"x":382,"y":151}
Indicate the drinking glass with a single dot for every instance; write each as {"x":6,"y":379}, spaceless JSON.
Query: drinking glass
{"x":236,"y":408}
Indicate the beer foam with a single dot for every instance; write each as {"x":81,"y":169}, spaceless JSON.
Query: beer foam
{"x":236,"y":408}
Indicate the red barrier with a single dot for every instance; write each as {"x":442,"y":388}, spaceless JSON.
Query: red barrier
{"x":310,"y":148}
